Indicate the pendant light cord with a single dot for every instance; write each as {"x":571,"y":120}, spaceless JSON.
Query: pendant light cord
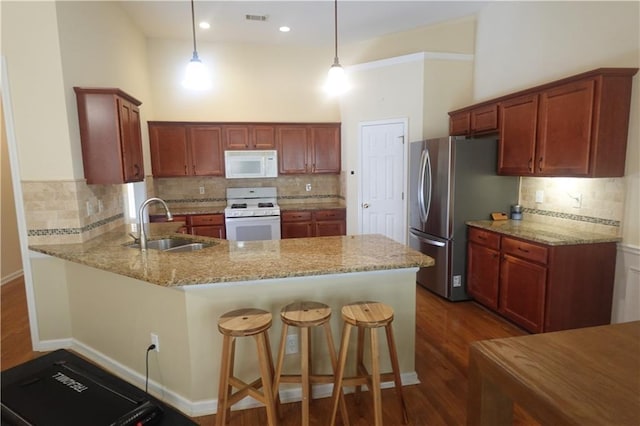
{"x":335,"y":34}
{"x":193,"y":29}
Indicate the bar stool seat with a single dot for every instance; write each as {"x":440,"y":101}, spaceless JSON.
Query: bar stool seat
{"x":368,"y":316}
{"x":247,"y":322}
{"x":304,"y":315}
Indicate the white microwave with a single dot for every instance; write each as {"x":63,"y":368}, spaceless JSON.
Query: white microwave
{"x":251,"y":164}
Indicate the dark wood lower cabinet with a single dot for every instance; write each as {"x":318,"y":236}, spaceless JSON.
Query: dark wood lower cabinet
{"x":206,"y":225}
{"x":308,"y":223}
{"x":541,"y":287}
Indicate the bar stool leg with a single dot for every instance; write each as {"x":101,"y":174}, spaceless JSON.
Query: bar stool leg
{"x":276,"y":394}
{"x":266,"y":370}
{"x":304,"y":332}
{"x":278,"y":371}
{"x":334,"y":366}
{"x":375,"y":377}
{"x":360,"y":369}
{"x":396,"y":371}
{"x":337,"y":387}
{"x":228,"y":345}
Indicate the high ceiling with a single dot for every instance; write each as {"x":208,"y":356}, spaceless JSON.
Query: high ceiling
{"x":311,"y":22}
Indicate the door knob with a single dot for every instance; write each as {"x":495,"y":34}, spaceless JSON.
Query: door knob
{"x":365,"y":205}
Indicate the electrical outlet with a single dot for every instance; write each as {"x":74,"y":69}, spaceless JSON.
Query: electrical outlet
{"x":539,"y":196}
{"x":201,"y":190}
{"x":89,"y":208}
{"x":100,"y":206}
{"x":457,"y":281}
{"x":155,"y":341}
{"x":292,"y":344}
{"x":308,"y":187}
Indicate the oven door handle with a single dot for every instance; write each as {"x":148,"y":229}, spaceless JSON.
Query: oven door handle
{"x":252,"y":218}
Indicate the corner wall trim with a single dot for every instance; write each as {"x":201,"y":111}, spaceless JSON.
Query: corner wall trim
{"x":413,"y":57}
{"x":11,"y":277}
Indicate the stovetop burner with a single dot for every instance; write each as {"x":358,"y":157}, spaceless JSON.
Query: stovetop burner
{"x":251,"y":202}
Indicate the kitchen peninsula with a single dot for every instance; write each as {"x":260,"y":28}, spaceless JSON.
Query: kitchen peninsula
{"x":105,"y":300}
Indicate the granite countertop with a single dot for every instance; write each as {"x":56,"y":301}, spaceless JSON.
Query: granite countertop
{"x":229,"y":261}
{"x":553,"y":235}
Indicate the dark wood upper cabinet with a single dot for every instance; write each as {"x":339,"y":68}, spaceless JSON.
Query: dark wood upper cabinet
{"x":110,"y":135}
{"x":477,"y":121}
{"x":575,"y":127}
{"x":518,"y":129}
{"x":179,"y":149}
{"x":249,"y":137}
{"x":304,"y":149}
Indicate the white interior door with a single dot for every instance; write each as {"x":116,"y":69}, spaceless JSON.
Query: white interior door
{"x":383,"y":179}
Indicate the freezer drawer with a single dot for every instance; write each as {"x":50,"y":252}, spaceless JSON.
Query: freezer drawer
{"x":435,"y":278}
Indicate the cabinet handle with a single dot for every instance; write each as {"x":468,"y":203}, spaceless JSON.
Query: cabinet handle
{"x":540,"y":164}
{"x":194,"y":169}
{"x":523,"y":250}
{"x":530,"y":165}
{"x":481,"y":237}
{"x":137,"y":168}
{"x":185,"y":169}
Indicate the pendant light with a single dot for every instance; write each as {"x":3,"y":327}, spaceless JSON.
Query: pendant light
{"x":196,"y":76}
{"x":337,"y":79}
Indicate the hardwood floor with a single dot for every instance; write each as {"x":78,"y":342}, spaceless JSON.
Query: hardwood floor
{"x":444,"y":331}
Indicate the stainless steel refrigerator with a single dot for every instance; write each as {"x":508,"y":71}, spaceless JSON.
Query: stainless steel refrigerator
{"x":452,"y":180}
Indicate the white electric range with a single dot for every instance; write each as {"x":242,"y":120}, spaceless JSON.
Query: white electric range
{"x":252,"y":214}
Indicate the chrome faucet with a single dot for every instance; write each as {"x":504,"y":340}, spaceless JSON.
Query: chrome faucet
{"x":143,"y":234}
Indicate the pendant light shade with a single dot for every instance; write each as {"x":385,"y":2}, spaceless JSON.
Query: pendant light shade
{"x":196,"y":76}
{"x":337,"y":82}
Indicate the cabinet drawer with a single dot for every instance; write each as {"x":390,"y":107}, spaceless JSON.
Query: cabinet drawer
{"x":485,"y":238}
{"x":163,"y":218}
{"x":336,"y":214}
{"x":528,"y":251}
{"x":296,"y":216}
{"x":206,"y":219}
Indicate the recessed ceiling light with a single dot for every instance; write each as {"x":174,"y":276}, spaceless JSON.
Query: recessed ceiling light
{"x":204,"y":25}
{"x":285,"y":29}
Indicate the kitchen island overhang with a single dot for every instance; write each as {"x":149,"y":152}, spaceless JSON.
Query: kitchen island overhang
{"x":108,"y":315}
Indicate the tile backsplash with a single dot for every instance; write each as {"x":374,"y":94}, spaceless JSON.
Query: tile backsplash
{"x":588,"y":204}
{"x":70,"y":211}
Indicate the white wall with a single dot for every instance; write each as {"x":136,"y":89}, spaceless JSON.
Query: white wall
{"x":522,"y":44}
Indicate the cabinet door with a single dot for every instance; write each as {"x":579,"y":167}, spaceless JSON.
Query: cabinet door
{"x":518,"y":126}
{"x":484,"y":119}
{"x":460,"y":123}
{"x":565,"y":129}
{"x":522,"y":292}
{"x":206,"y":153}
{"x":330,"y":228}
{"x":292,"y":149}
{"x":214,"y":231}
{"x":168,"y":150}
{"x":236,"y":137}
{"x":325,"y":149}
{"x":483,"y":269}
{"x":264,"y":137}
{"x":130,"y":141}
{"x":296,"y":230}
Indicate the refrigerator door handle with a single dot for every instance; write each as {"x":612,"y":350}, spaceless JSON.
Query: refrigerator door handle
{"x":425,"y":169}
{"x":428,"y":241}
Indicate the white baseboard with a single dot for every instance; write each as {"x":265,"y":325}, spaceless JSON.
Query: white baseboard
{"x":186,"y":406}
{"x":11,"y":277}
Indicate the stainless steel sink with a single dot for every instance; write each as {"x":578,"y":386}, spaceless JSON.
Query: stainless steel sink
{"x":173,"y":245}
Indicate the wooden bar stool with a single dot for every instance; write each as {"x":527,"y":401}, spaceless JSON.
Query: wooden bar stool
{"x":244,"y":323}
{"x":304,"y":315}
{"x":368,"y":317}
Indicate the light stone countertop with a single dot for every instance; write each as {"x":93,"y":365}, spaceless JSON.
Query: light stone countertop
{"x":232,"y":261}
{"x":553,"y":235}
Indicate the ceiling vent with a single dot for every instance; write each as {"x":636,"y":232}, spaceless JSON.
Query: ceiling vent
{"x":255,"y":17}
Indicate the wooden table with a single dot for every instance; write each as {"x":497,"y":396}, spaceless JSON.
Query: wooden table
{"x":588,"y":376}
